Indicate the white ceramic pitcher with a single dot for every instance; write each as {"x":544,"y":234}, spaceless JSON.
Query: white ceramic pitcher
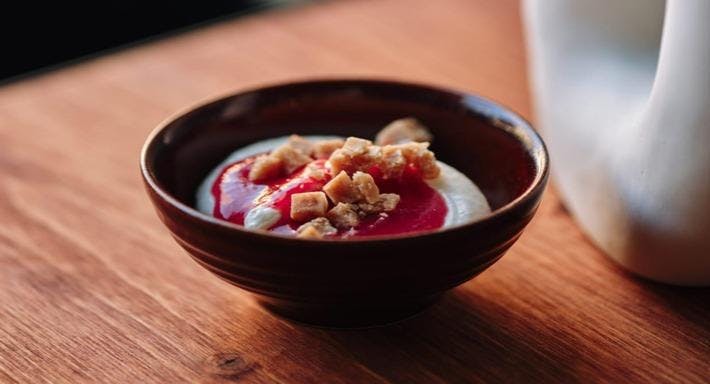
{"x":622,"y":95}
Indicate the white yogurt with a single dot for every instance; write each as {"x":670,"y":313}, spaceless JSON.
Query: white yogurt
{"x":464,"y":200}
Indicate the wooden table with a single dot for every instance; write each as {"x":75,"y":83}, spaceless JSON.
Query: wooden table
{"x":93,"y":289}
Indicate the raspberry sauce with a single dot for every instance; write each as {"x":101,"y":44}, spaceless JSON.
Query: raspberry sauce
{"x":420,"y":208}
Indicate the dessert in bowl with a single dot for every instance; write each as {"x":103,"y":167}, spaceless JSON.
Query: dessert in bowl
{"x":316,"y":186}
{"x":350,"y":274}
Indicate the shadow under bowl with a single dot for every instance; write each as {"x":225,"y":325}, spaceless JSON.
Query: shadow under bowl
{"x":354,"y":282}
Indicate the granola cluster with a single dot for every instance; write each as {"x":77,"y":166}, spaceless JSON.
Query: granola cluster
{"x":352,"y":190}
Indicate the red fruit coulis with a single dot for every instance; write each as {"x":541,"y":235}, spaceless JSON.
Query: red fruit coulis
{"x":420,"y":208}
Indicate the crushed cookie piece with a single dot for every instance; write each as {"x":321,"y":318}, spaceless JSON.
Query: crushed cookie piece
{"x":385,"y":203}
{"x":402,"y":131}
{"x":340,"y":189}
{"x":300,"y":144}
{"x":324,"y":148}
{"x":344,"y":216}
{"x":339,"y":162}
{"x":307,"y":231}
{"x":360,"y":155}
{"x":316,"y":228}
{"x":428,"y":167}
{"x":356,"y":145}
{"x":365,"y":209}
{"x":393,"y":162}
{"x":265,"y":167}
{"x":308,"y":205}
{"x":291,"y":158}
{"x":354,"y":155}
{"x":388,"y":201}
{"x":366,"y":185}
{"x":315,"y":172}
{"x":420,"y":155}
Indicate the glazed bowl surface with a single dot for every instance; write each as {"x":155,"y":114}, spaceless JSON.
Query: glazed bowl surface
{"x":353,"y":282}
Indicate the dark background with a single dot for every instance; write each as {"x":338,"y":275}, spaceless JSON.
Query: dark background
{"x":35,"y":35}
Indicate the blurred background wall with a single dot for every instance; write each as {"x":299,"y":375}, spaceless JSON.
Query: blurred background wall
{"x":37,"y":34}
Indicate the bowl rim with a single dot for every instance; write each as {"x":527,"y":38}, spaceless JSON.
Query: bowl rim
{"x":523,"y":131}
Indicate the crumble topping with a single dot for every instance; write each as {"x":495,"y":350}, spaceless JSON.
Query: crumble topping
{"x":402,"y":131}
{"x":316,"y":228}
{"x":265,"y":167}
{"x":366,"y":186}
{"x":315,"y":172}
{"x":420,"y":156}
{"x":352,"y":190}
{"x":341,"y":189}
{"x":386,"y":202}
{"x":355,"y":154}
{"x":300,"y":144}
{"x":391,"y":160}
{"x":324,"y":148}
{"x":289,"y":157}
{"x":308,"y":205}
{"x":344,"y":216}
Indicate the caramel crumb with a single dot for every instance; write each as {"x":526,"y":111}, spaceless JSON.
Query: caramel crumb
{"x":401,"y":144}
{"x":308,"y":205}
{"x":402,"y":131}
{"x":420,"y":155}
{"x":324,"y":148}
{"x":344,"y":216}
{"x":265,"y":167}
{"x":291,"y":158}
{"x":300,"y":144}
{"x":316,"y":229}
{"x":391,"y":160}
{"x":308,"y":231}
{"x":365,"y":184}
{"x":386,"y":202}
{"x":389,"y":201}
{"x":354,"y":155}
{"x":340,"y":189}
{"x":356,"y":145}
{"x":284,"y":159}
{"x":315,"y":172}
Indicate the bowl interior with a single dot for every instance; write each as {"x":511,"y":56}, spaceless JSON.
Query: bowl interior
{"x":495,"y":148}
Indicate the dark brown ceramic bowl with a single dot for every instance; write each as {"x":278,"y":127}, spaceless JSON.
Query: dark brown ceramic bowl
{"x":352,"y":282}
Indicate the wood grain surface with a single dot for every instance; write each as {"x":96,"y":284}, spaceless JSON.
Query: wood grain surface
{"x":93,"y":289}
